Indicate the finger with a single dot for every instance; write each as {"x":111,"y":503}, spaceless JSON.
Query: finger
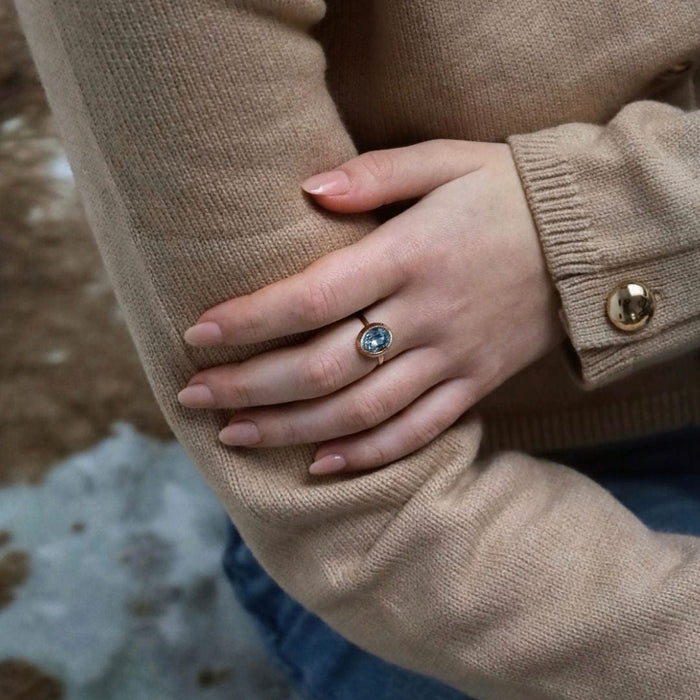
{"x":326,"y":363}
{"x":406,"y":432}
{"x":379,"y":177}
{"x":333,"y":287}
{"x":362,"y":405}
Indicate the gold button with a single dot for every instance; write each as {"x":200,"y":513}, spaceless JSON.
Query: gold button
{"x":630,"y":306}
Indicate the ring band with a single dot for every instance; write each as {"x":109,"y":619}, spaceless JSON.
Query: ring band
{"x":373,"y":340}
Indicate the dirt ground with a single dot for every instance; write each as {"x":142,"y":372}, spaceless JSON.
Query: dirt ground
{"x":68,"y":369}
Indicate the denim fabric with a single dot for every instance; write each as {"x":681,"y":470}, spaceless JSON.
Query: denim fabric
{"x":657,"y":477}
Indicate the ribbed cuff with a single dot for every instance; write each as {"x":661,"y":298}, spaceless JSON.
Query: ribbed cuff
{"x":563,"y":205}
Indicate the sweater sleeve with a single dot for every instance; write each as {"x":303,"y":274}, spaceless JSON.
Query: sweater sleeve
{"x":189,"y":125}
{"x":614,"y":204}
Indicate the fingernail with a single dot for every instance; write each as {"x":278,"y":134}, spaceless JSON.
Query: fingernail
{"x":333,"y":182}
{"x":328,"y":465}
{"x":207,"y":333}
{"x":243,"y":432}
{"x":196,"y":396}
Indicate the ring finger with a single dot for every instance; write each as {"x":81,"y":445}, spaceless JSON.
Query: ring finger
{"x":327,"y":362}
{"x":364,"y":404}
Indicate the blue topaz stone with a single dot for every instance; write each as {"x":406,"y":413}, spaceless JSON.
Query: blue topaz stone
{"x":374,"y":340}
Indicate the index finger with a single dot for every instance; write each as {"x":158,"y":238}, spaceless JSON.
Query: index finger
{"x":331,"y":288}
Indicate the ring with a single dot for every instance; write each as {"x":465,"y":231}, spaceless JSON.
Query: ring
{"x":373,"y":340}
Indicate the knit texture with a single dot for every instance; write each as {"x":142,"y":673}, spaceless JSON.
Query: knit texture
{"x":189,"y":125}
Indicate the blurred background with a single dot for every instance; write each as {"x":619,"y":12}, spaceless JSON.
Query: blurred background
{"x":110,"y":543}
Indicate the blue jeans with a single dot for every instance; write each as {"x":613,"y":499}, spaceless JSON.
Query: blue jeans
{"x":657,"y":477}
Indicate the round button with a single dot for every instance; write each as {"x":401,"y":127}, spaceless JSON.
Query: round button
{"x":630,"y":306}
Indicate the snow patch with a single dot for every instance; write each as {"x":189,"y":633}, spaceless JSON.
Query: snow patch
{"x":126,"y":596}
{"x":11,"y":126}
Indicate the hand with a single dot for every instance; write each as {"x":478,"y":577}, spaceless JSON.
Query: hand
{"x":459,"y":278}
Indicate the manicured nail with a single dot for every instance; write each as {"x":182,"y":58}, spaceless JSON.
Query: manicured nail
{"x":328,"y":465}
{"x":196,"y":396}
{"x":333,"y":182}
{"x":243,"y":432}
{"x":207,"y":333}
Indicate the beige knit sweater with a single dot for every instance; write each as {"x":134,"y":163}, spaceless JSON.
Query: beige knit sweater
{"x":189,"y":125}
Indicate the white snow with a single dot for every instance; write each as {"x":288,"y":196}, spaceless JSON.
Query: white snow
{"x":135,"y":604}
{"x":59,"y":168}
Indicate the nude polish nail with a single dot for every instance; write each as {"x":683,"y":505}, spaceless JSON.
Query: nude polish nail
{"x":196,"y":396}
{"x":330,"y":464}
{"x":333,"y":182}
{"x":242,"y":433}
{"x":203,"y":334}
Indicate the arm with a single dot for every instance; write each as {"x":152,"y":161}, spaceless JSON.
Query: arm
{"x":189,"y":125}
{"x":615,"y":203}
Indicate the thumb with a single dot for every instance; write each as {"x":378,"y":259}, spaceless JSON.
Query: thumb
{"x":375,"y":178}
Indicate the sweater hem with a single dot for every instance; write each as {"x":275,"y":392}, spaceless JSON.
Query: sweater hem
{"x":592,"y":424}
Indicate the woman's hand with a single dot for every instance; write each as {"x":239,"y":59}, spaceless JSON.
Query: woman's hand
{"x":459,"y":278}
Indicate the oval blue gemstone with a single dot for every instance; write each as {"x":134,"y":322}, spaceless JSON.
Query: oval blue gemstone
{"x":375,"y":340}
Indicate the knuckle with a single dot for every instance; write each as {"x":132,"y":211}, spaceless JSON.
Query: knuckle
{"x":319,"y":302}
{"x":322,"y":372}
{"x":441,"y":145}
{"x":487,"y":376}
{"x":378,"y":164}
{"x":288,"y":432}
{"x":369,"y":412}
{"x":426,"y":431}
{"x":251,"y":325}
{"x":448,"y":361}
{"x":372,"y":454}
{"x":470,"y":393}
{"x":238,"y":395}
{"x":414,"y":258}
